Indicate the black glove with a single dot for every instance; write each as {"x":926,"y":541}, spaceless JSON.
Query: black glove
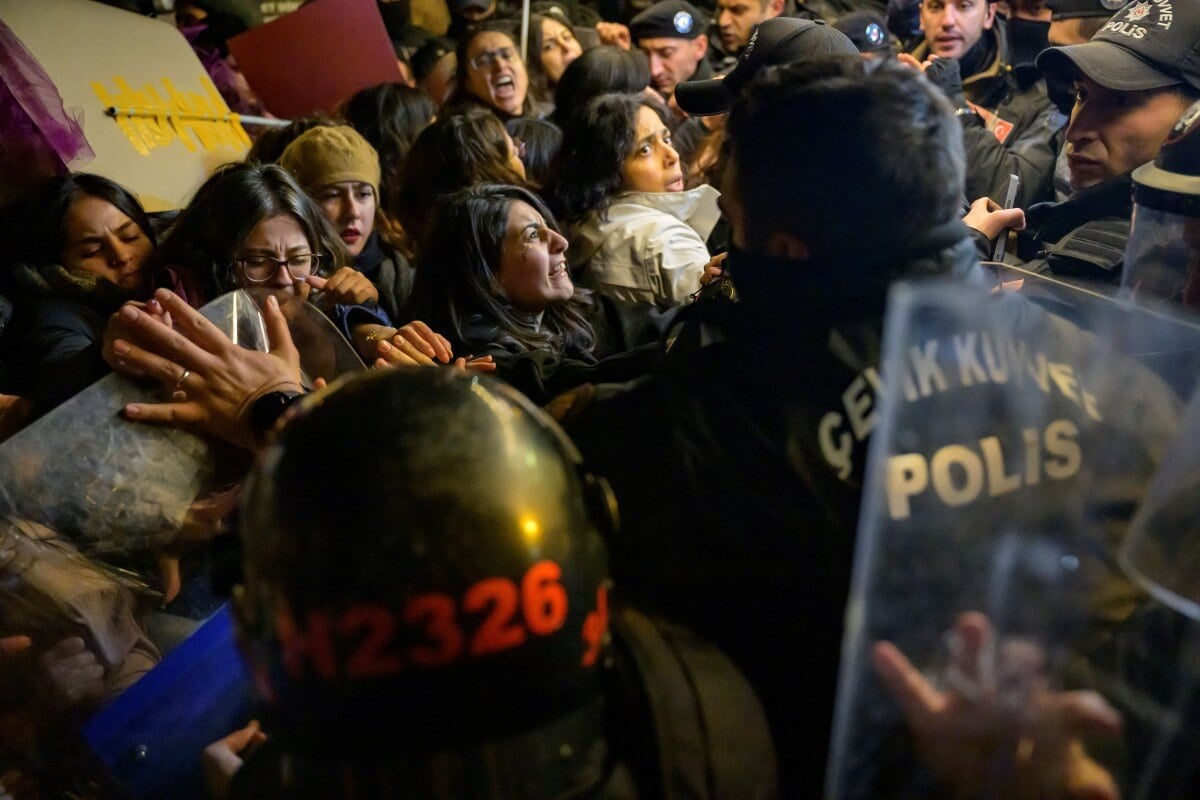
{"x":943,"y":73}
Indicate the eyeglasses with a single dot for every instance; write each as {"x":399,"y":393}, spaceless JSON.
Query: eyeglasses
{"x":260,"y":269}
{"x":487,"y":58}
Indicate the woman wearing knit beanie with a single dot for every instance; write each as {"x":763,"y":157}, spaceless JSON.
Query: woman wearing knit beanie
{"x":340,"y":170}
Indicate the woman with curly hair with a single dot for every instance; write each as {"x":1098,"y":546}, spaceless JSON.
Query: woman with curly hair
{"x":637,"y":235}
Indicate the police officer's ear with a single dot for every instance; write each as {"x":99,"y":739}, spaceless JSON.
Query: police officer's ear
{"x":699,"y":48}
{"x":989,"y":18}
{"x":773,"y":8}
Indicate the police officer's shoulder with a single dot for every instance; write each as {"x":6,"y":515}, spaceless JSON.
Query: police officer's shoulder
{"x":658,"y":664}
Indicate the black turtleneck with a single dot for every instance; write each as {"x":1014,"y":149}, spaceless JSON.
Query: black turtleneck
{"x":981,"y":54}
{"x":1027,"y":38}
{"x":370,"y":259}
{"x":851,"y":284}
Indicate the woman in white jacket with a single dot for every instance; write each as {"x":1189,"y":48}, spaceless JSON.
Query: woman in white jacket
{"x":636,"y":235}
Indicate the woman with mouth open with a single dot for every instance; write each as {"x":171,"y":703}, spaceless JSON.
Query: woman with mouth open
{"x":492,"y":74}
{"x":494,"y":280}
{"x":618,"y":181}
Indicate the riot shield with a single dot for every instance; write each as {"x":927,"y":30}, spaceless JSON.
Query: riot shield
{"x":112,"y":486}
{"x":993,"y":647}
{"x":1162,"y":551}
{"x":88,"y":501}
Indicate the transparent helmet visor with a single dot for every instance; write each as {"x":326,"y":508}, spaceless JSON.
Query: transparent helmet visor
{"x":1162,"y":258}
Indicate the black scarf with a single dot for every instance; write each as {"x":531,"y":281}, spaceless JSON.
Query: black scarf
{"x":369,"y":261}
{"x":977,"y":59}
{"x":1027,"y":38}
{"x":771,"y":289}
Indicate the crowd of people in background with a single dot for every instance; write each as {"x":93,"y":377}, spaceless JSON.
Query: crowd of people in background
{"x":641,"y":224}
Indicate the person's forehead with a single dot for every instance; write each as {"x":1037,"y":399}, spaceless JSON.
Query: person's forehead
{"x":660,"y":42}
{"x":280,"y":226}
{"x":939,"y":4}
{"x":492,"y":40}
{"x":648,"y":121}
{"x":346,"y":185}
{"x":522,"y":215}
{"x":88,"y":215}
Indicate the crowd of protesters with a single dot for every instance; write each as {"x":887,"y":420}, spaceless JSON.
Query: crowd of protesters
{"x":674,"y":226}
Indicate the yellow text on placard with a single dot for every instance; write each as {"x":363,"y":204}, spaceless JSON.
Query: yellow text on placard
{"x":150,"y":119}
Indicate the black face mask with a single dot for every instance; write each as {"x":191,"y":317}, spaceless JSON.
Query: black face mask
{"x":1061,"y":89}
{"x":1028,"y":38}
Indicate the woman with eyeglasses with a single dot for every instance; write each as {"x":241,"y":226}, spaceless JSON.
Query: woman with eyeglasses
{"x":252,"y":225}
{"x":85,"y":246}
{"x":492,"y":74}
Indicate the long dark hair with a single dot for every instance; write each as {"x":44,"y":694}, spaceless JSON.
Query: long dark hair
{"x":389,"y":116}
{"x":456,"y":291}
{"x":542,"y":140}
{"x":586,"y":175}
{"x":455,"y":152}
{"x":43,"y":225}
{"x":600,"y":70}
{"x":540,"y":88}
{"x":226,"y":209}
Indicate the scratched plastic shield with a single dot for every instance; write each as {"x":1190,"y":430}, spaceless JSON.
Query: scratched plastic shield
{"x":1017,"y":434}
{"x":111,"y":486}
{"x":1163,"y":549}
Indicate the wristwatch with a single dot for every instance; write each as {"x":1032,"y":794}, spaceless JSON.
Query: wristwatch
{"x":266,"y":410}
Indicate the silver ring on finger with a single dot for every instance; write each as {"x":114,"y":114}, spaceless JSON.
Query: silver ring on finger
{"x":182,"y":378}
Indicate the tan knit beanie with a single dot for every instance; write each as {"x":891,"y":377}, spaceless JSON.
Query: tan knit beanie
{"x":325,"y":155}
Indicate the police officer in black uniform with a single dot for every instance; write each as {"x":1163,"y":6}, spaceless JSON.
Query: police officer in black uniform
{"x":739,"y":467}
{"x":426,"y":612}
{"x":1133,"y":80}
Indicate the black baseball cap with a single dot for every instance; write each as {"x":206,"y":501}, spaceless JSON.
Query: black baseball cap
{"x":1148,"y":44}
{"x":668,"y":19}
{"x":1070,"y":9}
{"x":867,"y":30}
{"x":777,"y":41}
